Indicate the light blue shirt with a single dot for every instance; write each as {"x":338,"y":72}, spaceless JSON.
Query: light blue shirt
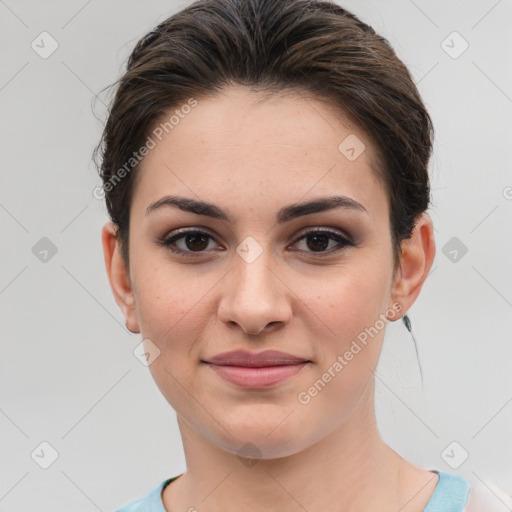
{"x":450,"y":495}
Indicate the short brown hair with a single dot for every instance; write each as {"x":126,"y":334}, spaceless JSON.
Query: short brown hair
{"x":313,"y":46}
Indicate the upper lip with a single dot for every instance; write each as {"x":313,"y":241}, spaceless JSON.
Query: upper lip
{"x":250,"y":359}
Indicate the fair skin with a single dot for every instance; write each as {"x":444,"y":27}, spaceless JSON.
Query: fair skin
{"x":251,"y":158}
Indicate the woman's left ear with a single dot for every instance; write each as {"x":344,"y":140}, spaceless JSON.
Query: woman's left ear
{"x":418,"y":254}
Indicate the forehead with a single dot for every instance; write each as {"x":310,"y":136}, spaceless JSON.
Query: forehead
{"x":241,"y":143}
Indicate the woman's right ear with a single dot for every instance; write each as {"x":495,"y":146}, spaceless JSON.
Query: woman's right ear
{"x":119,"y":276}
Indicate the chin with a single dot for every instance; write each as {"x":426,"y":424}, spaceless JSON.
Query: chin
{"x":261,"y":441}
{"x":250,"y":449}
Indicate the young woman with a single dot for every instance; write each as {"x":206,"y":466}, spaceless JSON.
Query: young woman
{"x":264,"y":166}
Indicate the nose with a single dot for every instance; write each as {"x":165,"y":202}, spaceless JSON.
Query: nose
{"x":256,"y":299}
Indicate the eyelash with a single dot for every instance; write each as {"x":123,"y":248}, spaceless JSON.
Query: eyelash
{"x":169,"y":241}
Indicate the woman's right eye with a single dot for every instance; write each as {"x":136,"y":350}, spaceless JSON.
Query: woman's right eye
{"x":192,"y":240}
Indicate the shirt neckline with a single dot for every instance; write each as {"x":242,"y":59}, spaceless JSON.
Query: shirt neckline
{"x":451,"y":491}
{"x":452,"y":487}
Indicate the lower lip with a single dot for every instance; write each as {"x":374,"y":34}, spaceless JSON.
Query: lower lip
{"x":261,"y":377}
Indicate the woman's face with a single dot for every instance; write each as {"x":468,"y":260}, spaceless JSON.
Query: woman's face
{"x":256,"y":282}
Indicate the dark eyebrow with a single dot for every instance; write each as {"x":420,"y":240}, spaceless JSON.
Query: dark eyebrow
{"x":286,"y":214}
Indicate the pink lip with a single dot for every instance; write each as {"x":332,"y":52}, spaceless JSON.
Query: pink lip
{"x":256,"y":377}
{"x":250,"y":359}
{"x":259,"y":370}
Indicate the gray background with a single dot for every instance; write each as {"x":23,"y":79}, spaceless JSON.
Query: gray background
{"x":68,"y":375}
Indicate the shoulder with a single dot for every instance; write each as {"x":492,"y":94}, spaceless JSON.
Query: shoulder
{"x":451,"y":493}
{"x":151,"y":502}
{"x":470,"y":494}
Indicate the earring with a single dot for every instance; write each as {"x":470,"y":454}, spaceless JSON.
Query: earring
{"x":407,"y":322}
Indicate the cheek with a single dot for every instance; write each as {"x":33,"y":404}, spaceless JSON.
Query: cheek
{"x":171,"y":310}
{"x":168,"y":297}
{"x":168,"y":308}
{"x":347,"y":319}
{"x":348,"y":301}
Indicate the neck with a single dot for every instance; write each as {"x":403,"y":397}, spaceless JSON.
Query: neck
{"x":349,"y":469}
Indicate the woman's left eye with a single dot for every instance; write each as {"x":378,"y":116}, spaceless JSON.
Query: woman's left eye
{"x":196,"y":241}
{"x":320,"y":239}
